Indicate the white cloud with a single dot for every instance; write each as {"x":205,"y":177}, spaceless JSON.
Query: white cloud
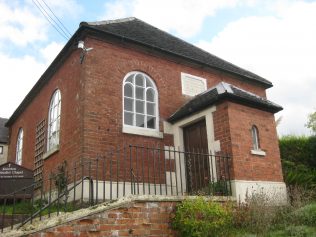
{"x":20,"y":25}
{"x":23,"y":24}
{"x":21,"y":73}
{"x":50,"y":51}
{"x":184,"y":17}
{"x":280,"y":48}
{"x":63,"y":8}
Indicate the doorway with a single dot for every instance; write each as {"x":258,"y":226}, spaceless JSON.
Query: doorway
{"x":197,"y":158}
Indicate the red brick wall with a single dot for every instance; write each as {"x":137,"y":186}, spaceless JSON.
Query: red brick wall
{"x":68,"y":80}
{"x":136,"y":219}
{"x":233,"y":123}
{"x":106,"y":67}
{"x":91,"y":116}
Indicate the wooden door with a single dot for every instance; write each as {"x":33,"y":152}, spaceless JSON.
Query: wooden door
{"x":197,"y":164}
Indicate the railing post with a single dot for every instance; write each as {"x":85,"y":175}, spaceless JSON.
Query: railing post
{"x":103,"y":177}
{"x":75,"y":184}
{"x":41,"y":200}
{"x":111,"y":175}
{"x":97,"y":181}
{"x":175,"y":169}
{"x":50,"y":193}
{"x":58,"y":193}
{"x":170,"y":170}
{"x":136,"y":158}
{"x":66,"y":192}
{"x":3,"y":214}
{"x":148,"y":168}
{"x":159,"y":168}
{"x":124,"y":167}
{"x":90,"y":185}
{"x":165,"y":169}
{"x":180,"y":169}
{"x":154,"y":168}
{"x":13,"y":211}
{"x":32,"y":203}
{"x":131,"y":167}
{"x":118,"y":157}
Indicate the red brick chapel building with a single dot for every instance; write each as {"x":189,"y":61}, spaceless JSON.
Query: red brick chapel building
{"x":125,"y":81}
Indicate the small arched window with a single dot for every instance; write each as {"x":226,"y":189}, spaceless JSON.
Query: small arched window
{"x":140,"y":103}
{"x":255,"y":138}
{"x":54,"y":121}
{"x":19,"y":147}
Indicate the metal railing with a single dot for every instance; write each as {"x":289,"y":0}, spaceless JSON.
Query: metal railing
{"x":127,"y":170}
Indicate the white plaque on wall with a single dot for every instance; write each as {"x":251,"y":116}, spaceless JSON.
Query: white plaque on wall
{"x":192,"y":85}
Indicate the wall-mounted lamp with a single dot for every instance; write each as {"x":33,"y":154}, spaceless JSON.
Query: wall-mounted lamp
{"x":84,"y":50}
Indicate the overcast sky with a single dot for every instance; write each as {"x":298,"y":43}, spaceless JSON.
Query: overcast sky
{"x":274,"y":39}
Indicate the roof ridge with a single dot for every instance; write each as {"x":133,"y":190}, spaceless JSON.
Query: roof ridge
{"x":106,"y":22}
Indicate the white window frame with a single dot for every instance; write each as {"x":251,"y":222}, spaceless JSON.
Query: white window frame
{"x":133,"y":129}
{"x":185,"y":76}
{"x":54,"y":113}
{"x":19,"y":147}
{"x":256,"y":150}
{"x":1,"y":150}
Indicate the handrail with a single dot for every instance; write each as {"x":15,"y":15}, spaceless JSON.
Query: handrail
{"x":48,"y":205}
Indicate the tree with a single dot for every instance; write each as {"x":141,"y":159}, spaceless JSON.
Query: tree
{"x":311,"y":123}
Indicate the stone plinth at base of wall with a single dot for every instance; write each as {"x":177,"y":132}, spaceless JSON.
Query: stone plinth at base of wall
{"x":275,"y":191}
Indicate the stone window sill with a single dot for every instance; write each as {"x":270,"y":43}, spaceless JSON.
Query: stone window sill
{"x":142,"y":132}
{"x":258,"y":152}
{"x":52,"y":151}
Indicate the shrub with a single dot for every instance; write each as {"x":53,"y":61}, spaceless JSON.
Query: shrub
{"x":255,"y":215}
{"x":300,"y":150}
{"x":200,"y":217}
{"x":305,"y":215}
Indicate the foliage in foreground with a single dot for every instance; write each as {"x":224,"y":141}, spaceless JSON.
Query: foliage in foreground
{"x":200,"y":217}
{"x":298,"y":155}
{"x":256,"y":217}
{"x":299,"y":149}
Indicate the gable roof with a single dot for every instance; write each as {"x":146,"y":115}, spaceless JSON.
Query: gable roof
{"x":223,"y":91}
{"x":4,"y":132}
{"x":148,"y":35}
{"x":138,"y":32}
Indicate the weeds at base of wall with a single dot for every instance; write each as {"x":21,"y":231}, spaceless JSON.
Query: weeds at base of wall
{"x":255,"y":217}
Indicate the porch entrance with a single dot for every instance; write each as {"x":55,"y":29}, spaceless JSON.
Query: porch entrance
{"x":197,"y":160}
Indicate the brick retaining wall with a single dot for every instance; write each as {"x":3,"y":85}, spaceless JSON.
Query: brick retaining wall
{"x":136,"y":219}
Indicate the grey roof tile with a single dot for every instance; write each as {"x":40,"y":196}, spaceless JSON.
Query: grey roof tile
{"x":141,"y":32}
{"x":220,"y":92}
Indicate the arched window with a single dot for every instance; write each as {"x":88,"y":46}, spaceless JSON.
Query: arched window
{"x":19,"y":147}
{"x":54,"y":121}
{"x":255,"y":138}
{"x":140,"y":103}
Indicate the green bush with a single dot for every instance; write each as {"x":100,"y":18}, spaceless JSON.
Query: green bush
{"x":298,"y":155}
{"x":305,"y":215}
{"x":199,"y":217}
{"x":299,"y":149}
